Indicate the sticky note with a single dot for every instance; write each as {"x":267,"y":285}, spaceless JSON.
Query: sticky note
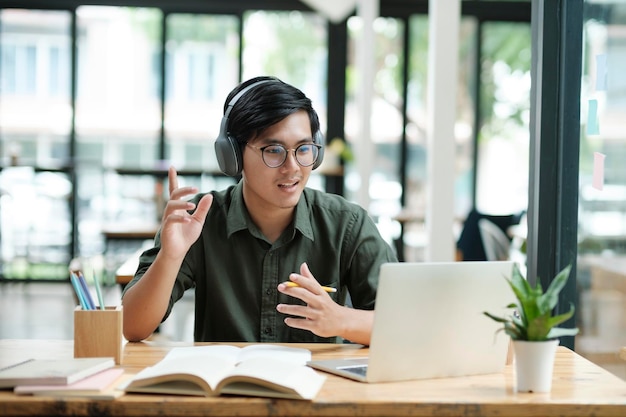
{"x":598,"y":170}
{"x":601,"y":72}
{"x":592,"y":118}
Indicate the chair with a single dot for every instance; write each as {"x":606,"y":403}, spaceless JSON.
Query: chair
{"x":495,"y":242}
{"x":470,"y":246}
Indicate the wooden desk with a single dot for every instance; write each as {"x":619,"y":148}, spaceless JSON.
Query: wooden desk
{"x":580,"y":388}
{"x":120,"y":241}
{"x":127,"y":270}
{"x":130,"y":232}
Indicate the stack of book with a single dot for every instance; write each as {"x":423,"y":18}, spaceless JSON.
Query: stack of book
{"x":95,"y":378}
{"x":262,"y":370}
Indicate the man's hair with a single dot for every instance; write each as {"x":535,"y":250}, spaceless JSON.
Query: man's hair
{"x":265,"y":105}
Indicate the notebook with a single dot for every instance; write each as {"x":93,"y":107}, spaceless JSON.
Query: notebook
{"x":429,"y":323}
{"x":52,"y":371}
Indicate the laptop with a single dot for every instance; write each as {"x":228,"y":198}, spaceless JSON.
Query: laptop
{"x":429,"y":323}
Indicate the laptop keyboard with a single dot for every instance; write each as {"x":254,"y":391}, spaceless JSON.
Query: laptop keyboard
{"x":355,"y":369}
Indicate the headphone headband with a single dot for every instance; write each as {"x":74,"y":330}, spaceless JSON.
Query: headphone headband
{"x":241,"y":92}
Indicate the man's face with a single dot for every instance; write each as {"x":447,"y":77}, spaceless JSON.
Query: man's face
{"x":278,"y":188}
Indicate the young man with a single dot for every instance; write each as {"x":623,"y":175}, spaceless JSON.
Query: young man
{"x":238,"y":247}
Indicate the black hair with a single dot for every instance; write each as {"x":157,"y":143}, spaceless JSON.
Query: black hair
{"x":265,"y":105}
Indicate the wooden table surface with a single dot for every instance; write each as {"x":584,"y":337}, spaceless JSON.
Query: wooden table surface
{"x":125,"y":273}
{"x":580,"y":388}
{"x":124,"y":231}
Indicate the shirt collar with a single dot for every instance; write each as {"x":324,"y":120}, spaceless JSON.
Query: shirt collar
{"x":239,"y":219}
{"x":303,"y":218}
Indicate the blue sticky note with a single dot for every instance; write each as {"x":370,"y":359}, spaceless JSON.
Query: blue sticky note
{"x":601,"y":72}
{"x":592,"y":118}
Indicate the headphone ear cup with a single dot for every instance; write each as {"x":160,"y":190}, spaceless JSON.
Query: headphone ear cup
{"x":318,"y":139}
{"x":228,"y":152}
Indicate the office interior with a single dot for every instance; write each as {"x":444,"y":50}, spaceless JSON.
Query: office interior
{"x":98,"y":98}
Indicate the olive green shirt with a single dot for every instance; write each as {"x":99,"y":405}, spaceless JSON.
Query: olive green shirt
{"x":235,"y":270}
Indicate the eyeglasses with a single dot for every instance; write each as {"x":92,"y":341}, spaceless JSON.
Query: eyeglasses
{"x":275,"y":155}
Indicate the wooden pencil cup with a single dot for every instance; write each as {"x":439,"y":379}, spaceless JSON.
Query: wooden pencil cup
{"x":98,"y":333}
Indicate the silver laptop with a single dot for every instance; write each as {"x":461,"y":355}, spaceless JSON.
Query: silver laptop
{"x":429,"y":323}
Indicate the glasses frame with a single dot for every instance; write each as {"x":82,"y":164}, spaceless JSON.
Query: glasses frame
{"x":287,"y":150}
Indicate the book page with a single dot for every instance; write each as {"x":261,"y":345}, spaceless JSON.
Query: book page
{"x":228,"y":352}
{"x":272,"y":378}
{"x":284,"y":353}
{"x":204,"y":372}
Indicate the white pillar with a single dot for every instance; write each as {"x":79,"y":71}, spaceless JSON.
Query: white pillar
{"x":444,"y":21}
{"x":368,"y":11}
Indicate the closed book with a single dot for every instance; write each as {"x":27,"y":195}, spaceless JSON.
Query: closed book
{"x":52,"y":371}
{"x":102,"y":385}
{"x":255,"y":370}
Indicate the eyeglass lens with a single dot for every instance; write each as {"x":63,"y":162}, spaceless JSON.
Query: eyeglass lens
{"x":275,"y":155}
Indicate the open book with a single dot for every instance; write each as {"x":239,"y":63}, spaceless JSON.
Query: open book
{"x":255,"y":370}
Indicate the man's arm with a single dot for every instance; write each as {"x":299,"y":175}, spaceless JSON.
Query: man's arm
{"x":145,"y":303}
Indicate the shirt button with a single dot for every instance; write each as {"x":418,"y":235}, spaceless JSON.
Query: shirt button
{"x":267,"y":330}
{"x":268,"y":291}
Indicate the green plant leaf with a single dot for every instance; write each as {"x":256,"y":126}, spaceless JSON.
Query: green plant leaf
{"x":514,"y":331}
{"x":557,"y":332}
{"x":535,"y":319}
{"x":526,"y":296}
{"x":539,"y":328}
{"x":549,"y":300}
{"x":556,"y":320}
{"x":496,"y":318}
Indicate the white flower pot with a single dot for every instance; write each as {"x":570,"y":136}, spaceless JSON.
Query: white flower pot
{"x":534,"y":365}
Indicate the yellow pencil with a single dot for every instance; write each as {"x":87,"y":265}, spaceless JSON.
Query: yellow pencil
{"x":293,"y":284}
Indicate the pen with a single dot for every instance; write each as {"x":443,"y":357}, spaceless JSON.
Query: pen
{"x":83,"y":285}
{"x":98,"y":291}
{"x":293,"y":284}
{"x":79,"y":292}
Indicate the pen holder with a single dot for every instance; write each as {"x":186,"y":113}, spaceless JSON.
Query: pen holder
{"x":98,"y":333}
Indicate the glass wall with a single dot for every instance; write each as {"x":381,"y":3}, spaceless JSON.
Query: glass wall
{"x":145,"y":89}
{"x":503,"y":137}
{"x":201,"y":68}
{"x":89,"y":144}
{"x":602,"y":181}
{"x":293,"y":46}
{"x":385,"y":189}
{"x":35,"y":121}
{"x":117,"y":117}
{"x":491,"y":131}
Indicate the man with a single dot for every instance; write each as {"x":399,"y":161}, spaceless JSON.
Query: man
{"x":238,"y":247}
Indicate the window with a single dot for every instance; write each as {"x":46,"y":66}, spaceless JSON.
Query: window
{"x":35,"y":123}
{"x":602,"y":181}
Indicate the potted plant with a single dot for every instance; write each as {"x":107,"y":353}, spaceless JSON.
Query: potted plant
{"x":337,"y":153}
{"x":534,"y":329}
{"x":341,"y":148}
